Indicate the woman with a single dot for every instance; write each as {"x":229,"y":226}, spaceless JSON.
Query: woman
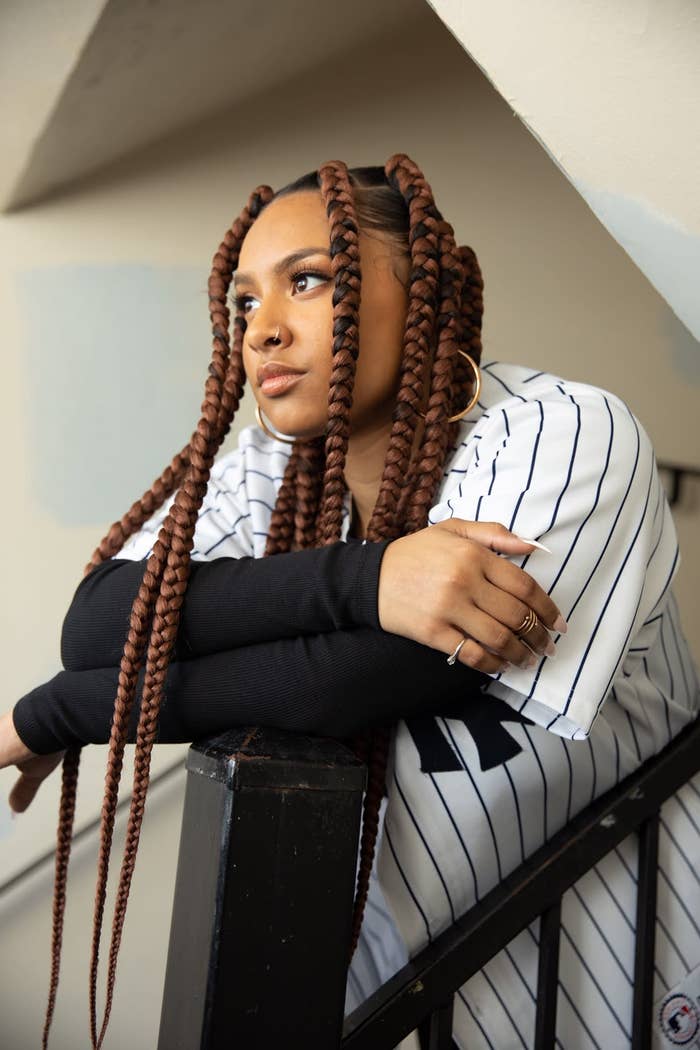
{"x":411,"y":606}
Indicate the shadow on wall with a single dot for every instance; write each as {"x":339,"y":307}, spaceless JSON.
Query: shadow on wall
{"x":115,"y":362}
{"x":684,"y":348}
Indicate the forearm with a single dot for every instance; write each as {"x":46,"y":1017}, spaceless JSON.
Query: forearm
{"x":331,"y":684}
{"x":230,"y":602}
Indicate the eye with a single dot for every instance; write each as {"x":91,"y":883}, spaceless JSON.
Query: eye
{"x":242,"y":302}
{"x":304,"y":275}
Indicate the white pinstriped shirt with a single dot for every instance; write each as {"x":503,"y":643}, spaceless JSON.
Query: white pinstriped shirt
{"x":568,"y":464}
{"x":558,"y":461}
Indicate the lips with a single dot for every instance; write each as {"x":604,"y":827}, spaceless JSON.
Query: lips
{"x":273,"y":368}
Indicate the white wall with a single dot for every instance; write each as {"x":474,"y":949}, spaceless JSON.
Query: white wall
{"x":25,"y":938}
{"x":105,"y":348}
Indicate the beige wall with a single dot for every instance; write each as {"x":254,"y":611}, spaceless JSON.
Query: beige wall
{"x":612,"y":91}
{"x":105,"y":348}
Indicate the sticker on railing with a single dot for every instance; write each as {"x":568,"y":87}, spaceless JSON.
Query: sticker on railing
{"x":678,"y":1014}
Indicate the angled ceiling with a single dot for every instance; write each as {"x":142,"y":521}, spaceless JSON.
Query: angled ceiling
{"x":612,"y":93}
{"x":126,"y":73}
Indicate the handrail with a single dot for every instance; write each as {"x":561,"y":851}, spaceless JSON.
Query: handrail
{"x":679,"y":472}
{"x":538,"y":884}
{"x":261,"y":920}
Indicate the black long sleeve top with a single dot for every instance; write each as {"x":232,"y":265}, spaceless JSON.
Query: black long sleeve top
{"x":293,"y":641}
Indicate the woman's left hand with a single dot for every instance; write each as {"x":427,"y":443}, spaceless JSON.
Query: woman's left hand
{"x":33,"y":768}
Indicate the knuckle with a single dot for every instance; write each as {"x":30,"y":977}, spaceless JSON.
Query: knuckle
{"x":500,"y":638}
{"x":453,"y":578}
{"x":529,"y":588}
{"x":478,"y":658}
{"x":443,"y":596}
{"x":432,"y":629}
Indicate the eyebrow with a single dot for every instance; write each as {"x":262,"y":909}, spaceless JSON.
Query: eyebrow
{"x":279,"y":267}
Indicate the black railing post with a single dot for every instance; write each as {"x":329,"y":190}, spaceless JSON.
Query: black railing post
{"x":260,"y":930}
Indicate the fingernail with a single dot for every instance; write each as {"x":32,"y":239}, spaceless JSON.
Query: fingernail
{"x":531,"y":661}
{"x":560,"y":625}
{"x":550,"y":648}
{"x":533,"y":542}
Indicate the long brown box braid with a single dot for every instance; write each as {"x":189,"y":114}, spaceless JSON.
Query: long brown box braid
{"x":444,"y":312}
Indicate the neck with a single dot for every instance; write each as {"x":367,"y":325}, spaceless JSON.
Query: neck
{"x":364,"y":467}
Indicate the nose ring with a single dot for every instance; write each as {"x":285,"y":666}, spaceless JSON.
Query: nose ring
{"x":277,"y":333}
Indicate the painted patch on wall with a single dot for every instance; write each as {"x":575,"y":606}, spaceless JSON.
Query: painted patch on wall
{"x":115,"y":361}
{"x":664,"y":251}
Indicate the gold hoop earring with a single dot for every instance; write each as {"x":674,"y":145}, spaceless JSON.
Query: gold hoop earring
{"x":477,"y":390}
{"x":264,"y":426}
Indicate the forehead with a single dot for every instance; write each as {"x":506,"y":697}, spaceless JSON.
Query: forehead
{"x":285,"y":225}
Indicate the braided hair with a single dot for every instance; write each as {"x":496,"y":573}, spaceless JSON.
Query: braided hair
{"x":444,"y":314}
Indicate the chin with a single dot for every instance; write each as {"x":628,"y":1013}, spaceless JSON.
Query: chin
{"x":294,"y":427}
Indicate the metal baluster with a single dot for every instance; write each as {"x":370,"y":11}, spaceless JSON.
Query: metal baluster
{"x":647,"y":874}
{"x":548,"y":977}
{"x":435,"y":1032}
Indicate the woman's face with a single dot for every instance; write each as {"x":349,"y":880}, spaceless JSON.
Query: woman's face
{"x":296,"y":296}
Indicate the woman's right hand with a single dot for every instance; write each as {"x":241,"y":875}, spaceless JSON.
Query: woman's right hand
{"x":33,"y":768}
{"x":446,"y":581}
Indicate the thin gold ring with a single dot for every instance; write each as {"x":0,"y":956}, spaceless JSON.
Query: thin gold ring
{"x":528,"y":623}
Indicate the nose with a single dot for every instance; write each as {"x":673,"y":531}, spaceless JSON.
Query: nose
{"x":266,"y":331}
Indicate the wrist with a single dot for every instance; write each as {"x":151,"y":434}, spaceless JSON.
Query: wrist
{"x":12,"y":747}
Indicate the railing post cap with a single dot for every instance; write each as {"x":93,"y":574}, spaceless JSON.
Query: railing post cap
{"x":254,"y":756}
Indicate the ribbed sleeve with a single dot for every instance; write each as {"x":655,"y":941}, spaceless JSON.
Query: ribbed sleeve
{"x":331,"y":684}
{"x":230,"y":601}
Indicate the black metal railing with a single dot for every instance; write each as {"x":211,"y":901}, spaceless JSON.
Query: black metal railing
{"x":677,"y":474}
{"x":265,"y":881}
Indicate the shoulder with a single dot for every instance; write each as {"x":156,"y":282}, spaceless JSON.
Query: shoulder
{"x":505,"y":386}
{"x":546,"y":447}
{"x":519,"y":400}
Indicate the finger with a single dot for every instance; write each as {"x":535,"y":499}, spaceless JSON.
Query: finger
{"x":521,"y":585}
{"x":471,"y":653}
{"x":499,"y":639}
{"x":23,"y":792}
{"x":493,"y":535}
{"x":512,"y":613}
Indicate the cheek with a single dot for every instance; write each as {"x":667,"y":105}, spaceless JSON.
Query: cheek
{"x":378,"y":370}
{"x":381,"y":342}
{"x":249,"y":362}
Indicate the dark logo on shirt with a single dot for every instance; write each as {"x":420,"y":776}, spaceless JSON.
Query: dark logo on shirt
{"x":483,"y":716}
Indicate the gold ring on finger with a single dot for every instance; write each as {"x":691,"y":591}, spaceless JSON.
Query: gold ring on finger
{"x":528,"y":623}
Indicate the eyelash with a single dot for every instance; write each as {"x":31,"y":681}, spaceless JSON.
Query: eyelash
{"x":240,"y":300}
